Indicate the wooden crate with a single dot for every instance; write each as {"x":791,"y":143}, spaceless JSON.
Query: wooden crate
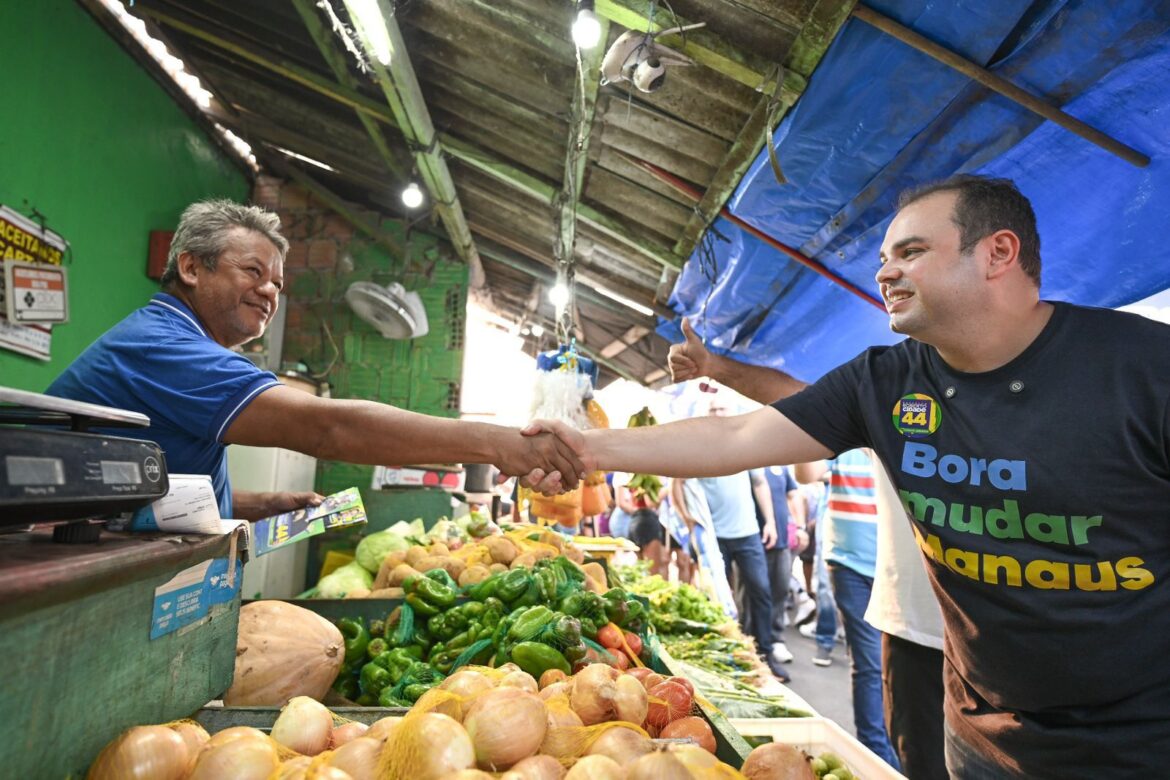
{"x":75,"y":635}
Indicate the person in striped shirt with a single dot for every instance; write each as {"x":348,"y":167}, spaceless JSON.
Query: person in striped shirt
{"x":850,"y":547}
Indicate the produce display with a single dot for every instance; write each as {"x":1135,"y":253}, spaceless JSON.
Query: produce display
{"x":541,"y":617}
{"x":479,"y":723}
{"x":706,"y":645}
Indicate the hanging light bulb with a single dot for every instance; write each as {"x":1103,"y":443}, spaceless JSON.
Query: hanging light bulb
{"x":559,"y":295}
{"x":538,"y":330}
{"x":412,"y":195}
{"x":586,"y":26}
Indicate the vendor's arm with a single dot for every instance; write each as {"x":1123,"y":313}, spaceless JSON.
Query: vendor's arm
{"x":251,"y":505}
{"x":367,"y":432}
{"x":691,"y":359}
{"x":764,"y":498}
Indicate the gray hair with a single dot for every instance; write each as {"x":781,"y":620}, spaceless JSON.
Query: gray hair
{"x":203,"y":231}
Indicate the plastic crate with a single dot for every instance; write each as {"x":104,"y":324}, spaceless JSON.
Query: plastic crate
{"x":820,"y":735}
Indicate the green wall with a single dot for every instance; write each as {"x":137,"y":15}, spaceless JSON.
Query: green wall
{"x":94,"y":143}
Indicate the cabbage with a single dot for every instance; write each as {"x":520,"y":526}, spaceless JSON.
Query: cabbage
{"x":343,"y":581}
{"x":414,"y":528}
{"x":375,"y":547}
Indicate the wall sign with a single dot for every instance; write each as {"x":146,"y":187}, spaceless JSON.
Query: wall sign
{"x":33,"y":285}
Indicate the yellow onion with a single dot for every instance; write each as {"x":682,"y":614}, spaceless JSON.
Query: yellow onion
{"x":777,"y":761}
{"x":294,"y":767}
{"x":426,"y":747}
{"x":594,"y":689}
{"x":444,"y":702}
{"x":557,"y":689}
{"x":235,"y":732}
{"x":381,"y":728}
{"x":505,"y":725}
{"x":696,"y":759}
{"x":347,"y":732}
{"x":466,"y":683}
{"x":536,"y":768}
{"x":630,"y":701}
{"x":193,"y":734}
{"x":522,"y":680}
{"x":316,"y":771}
{"x":470,"y":774}
{"x":622,"y":744}
{"x":304,"y":725}
{"x":143,"y":752}
{"x":596,"y":768}
{"x":358,"y":757}
{"x":658,"y":765}
{"x":243,"y":758}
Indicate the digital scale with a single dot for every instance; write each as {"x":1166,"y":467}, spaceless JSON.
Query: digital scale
{"x":52,"y":470}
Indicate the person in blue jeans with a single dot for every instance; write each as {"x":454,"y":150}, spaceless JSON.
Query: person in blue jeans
{"x":848,"y":534}
{"x":824,"y":627}
{"x":741,"y":542}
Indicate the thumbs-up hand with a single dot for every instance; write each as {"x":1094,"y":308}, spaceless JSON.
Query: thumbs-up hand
{"x":688,"y":359}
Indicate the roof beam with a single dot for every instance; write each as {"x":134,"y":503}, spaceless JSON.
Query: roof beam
{"x":623,"y":342}
{"x":335,"y":58}
{"x":400,"y":86}
{"x":456,"y":148}
{"x":546,"y":275}
{"x":291,"y":71}
{"x":582,"y":109}
{"x":346,"y":210}
{"x":638,"y":297}
{"x":810,"y":45}
{"x":703,"y":46}
{"x":546,"y":192}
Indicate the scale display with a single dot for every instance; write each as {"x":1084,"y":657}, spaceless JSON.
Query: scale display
{"x":22,"y":470}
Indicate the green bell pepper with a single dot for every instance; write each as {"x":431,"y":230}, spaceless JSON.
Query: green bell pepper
{"x":356,"y":636}
{"x":387,"y":699}
{"x":513,"y":584}
{"x":616,"y":606}
{"x":530,"y":596}
{"x":376,"y":647}
{"x":536,"y":658}
{"x":574,"y":653}
{"x":373,"y":678}
{"x":442,"y":576}
{"x":421,"y":606}
{"x":396,"y":661}
{"x":434,"y":593}
{"x":529,"y":623}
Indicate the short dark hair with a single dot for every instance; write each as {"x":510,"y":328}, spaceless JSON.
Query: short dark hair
{"x":204,"y":229}
{"x":983,"y":206}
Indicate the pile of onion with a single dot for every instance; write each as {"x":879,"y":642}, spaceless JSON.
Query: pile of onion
{"x":428,"y":746}
{"x":506,"y":725}
{"x":304,"y":725}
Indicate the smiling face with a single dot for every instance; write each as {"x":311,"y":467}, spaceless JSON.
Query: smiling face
{"x":237,"y":300}
{"x":927,"y":283}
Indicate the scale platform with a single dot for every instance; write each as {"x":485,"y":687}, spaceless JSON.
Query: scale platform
{"x":52,"y":468}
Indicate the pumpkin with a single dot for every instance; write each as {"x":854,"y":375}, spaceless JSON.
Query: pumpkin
{"x":594,"y":499}
{"x":283,"y":651}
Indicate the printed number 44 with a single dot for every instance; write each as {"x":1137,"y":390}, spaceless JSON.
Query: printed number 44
{"x":914,"y":418}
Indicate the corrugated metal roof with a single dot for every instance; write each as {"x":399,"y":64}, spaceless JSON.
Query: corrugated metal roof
{"x":499,"y":80}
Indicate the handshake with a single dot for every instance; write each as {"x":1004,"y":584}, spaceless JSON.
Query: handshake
{"x":548,"y":456}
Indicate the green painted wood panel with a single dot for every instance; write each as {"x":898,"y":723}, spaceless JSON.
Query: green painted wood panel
{"x":92,"y":141}
{"x":80,"y":666}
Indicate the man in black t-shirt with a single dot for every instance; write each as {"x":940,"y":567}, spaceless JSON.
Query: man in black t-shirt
{"x":1030,"y":444}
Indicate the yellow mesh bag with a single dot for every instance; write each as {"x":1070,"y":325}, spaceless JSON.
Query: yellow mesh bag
{"x":568,"y":743}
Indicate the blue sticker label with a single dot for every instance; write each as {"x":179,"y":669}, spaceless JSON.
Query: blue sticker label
{"x":188,"y":596}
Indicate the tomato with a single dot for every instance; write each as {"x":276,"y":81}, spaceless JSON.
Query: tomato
{"x":684,"y":682}
{"x":609,"y":636}
{"x":635,"y":643}
{"x":693,"y":728}
{"x":668,"y":701}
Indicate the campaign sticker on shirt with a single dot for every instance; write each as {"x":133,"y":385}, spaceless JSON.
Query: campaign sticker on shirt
{"x":917,"y":415}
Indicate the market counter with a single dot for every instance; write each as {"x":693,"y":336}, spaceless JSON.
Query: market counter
{"x":99,"y":637}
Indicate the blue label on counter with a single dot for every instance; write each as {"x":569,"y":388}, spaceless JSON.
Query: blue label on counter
{"x":188,"y":596}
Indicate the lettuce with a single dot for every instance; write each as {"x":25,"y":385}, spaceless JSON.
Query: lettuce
{"x":343,"y":581}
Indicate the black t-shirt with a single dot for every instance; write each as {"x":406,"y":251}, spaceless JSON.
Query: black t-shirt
{"x":1040,"y":495}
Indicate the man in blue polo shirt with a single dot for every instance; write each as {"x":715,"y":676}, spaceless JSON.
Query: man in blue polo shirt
{"x":172,"y":360}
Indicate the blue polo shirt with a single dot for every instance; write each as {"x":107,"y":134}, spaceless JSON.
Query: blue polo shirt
{"x":160,"y":361}
{"x":733,"y":512}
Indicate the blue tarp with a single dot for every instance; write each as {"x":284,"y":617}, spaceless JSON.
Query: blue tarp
{"x":879,"y":117}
